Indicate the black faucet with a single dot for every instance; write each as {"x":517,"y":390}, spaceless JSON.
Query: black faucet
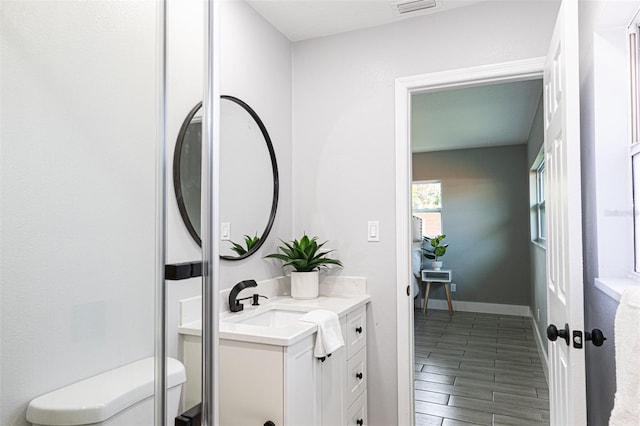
{"x":235,"y":305}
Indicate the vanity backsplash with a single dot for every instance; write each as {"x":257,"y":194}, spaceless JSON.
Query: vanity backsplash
{"x":191,"y":309}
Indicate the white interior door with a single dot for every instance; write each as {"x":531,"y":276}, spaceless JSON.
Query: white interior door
{"x":564,"y":221}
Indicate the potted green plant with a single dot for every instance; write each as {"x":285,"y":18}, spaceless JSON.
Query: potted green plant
{"x":435,"y":251}
{"x":249,"y":241}
{"x":306,"y":258}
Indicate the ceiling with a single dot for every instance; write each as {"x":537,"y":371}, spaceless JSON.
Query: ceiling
{"x":304,"y":19}
{"x":473,"y":117}
{"x":495,"y":115}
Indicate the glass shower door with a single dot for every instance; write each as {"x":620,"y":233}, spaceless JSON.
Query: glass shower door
{"x":81,"y":235}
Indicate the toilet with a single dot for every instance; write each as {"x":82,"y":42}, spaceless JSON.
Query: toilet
{"x":119,"y":397}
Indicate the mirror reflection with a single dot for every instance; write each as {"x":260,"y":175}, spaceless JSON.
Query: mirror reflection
{"x":248,"y":177}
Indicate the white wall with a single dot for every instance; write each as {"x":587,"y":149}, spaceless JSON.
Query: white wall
{"x":343,"y":135}
{"x":256,"y":67}
{"x":77,"y":171}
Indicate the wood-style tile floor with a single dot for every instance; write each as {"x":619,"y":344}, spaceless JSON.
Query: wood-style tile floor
{"x":479,"y":369}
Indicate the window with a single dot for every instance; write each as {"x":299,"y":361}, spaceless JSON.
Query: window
{"x":540,"y":213}
{"x":613,"y":98}
{"x":426,"y":198}
{"x":634,"y":151}
{"x":537,"y":197}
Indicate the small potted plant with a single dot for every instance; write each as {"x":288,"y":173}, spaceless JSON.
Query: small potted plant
{"x":306,"y":258}
{"x":436,"y":251}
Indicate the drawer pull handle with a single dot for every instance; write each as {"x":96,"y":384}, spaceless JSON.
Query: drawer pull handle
{"x":359,"y":330}
{"x":360,"y":422}
{"x":359,"y":376}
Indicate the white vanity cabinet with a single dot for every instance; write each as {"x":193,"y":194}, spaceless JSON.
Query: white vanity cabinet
{"x":261,"y":382}
{"x":286,"y":384}
{"x":331,"y":385}
{"x":356,"y":380}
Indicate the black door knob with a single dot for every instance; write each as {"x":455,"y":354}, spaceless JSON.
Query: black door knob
{"x":359,"y":330}
{"x":269,"y":423}
{"x":359,"y":376}
{"x":553,"y":333}
{"x":596,"y":337}
{"x":360,"y":422}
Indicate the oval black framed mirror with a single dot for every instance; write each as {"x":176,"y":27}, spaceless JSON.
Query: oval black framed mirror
{"x":249,"y":185}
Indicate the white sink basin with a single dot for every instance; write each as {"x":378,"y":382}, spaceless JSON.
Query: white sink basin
{"x":273,"y":318}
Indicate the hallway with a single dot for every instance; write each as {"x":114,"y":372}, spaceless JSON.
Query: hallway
{"x":476,"y":368}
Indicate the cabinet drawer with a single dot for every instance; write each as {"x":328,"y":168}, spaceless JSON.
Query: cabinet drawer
{"x":357,"y":413}
{"x":356,"y":376}
{"x":356,"y":331}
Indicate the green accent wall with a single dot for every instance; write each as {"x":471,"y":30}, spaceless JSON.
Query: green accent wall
{"x":485,"y":215}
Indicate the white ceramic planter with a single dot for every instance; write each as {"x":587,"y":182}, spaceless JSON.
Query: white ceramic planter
{"x":304,"y":285}
{"x":436,"y":265}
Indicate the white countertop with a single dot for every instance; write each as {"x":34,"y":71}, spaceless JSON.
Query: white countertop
{"x":281,"y":336}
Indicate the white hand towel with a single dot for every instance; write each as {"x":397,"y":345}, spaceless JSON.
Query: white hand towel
{"x":329,"y":337}
{"x":626,"y":407}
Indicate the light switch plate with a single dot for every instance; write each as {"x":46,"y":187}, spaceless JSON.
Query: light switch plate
{"x":373,"y":230}
{"x":225,"y":231}
{"x":453,"y":288}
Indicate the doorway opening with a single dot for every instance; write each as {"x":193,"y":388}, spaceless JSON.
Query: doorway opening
{"x":482,"y":362}
{"x":407,"y":90}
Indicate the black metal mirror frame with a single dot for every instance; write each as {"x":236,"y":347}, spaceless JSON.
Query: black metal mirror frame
{"x":178,"y":189}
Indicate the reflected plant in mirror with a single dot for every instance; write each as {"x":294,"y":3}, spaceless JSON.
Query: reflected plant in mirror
{"x":248,"y":176}
{"x":250,"y":242}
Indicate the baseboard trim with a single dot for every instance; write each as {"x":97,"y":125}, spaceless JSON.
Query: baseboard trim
{"x":484,"y":308}
{"x":541,"y":352}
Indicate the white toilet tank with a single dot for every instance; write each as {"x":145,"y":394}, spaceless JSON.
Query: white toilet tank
{"x":119,"y":397}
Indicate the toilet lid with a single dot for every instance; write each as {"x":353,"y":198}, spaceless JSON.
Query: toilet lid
{"x":100,"y":397}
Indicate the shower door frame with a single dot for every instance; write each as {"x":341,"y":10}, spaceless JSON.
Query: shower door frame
{"x":209,"y":216}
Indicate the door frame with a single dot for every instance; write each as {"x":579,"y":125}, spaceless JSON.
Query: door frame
{"x":527,"y":69}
